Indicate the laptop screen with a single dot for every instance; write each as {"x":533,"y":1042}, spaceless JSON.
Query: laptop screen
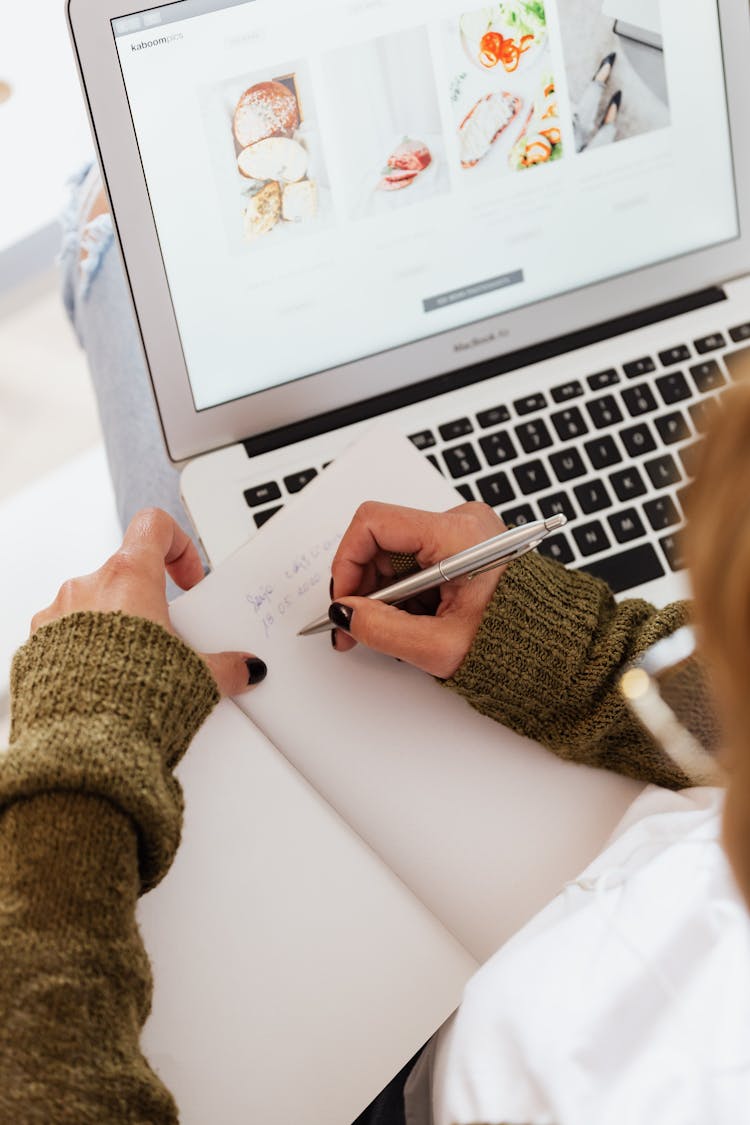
{"x":332,"y":181}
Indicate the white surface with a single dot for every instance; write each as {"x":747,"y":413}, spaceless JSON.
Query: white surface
{"x":44,"y":133}
{"x":294,"y":973}
{"x":482,"y":825}
{"x":62,"y":526}
{"x":638,"y":13}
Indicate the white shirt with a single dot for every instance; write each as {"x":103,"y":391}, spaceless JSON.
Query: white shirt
{"x":626,"y":1001}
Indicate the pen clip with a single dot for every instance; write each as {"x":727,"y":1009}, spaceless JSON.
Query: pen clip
{"x":517,"y":554}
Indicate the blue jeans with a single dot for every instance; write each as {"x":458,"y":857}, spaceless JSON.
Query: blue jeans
{"x":97,"y":299}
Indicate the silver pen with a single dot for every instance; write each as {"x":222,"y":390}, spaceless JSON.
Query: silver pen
{"x":491,"y":553}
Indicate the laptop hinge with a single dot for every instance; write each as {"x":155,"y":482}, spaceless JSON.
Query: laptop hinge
{"x":465,"y":376}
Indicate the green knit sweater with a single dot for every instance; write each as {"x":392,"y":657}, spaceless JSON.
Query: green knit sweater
{"x":104,"y":706}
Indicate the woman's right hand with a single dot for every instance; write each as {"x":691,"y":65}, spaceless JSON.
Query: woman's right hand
{"x":436,"y":635}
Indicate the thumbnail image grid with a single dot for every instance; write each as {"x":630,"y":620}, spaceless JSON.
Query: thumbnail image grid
{"x":617,"y":81}
{"x":381,"y":99}
{"x":502,"y":89}
{"x":264,"y":145}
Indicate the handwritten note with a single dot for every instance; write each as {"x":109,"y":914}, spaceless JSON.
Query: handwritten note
{"x":306,"y":573}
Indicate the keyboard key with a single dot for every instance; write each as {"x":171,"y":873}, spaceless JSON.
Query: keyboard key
{"x":639,"y":400}
{"x":567,"y":391}
{"x":516,"y":517}
{"x":530,"y":404}
{"x":567,"y":465}
{"x":451,"y":431}
{"x":496,"y":489}
{"x":673,"y":388}
{"x":461,"y":460}
{"x":661,"y":513}
{"x":663,"y":471}
{"x":262,"y":494}
{"x":707,"y":376}
{"x":671,"y":545}
{"x":498,"y":447}
{"x":740,"y":333}
{"x":672,"y":427}
{"x":639,"y":367}
{"x":603,"y":452}
{"x":435,"y":463}
{"x":604,"y":412}
{"x":557,"y":548}
{"x":532,"y":477}
{"x":627,"y":526}
{"x":710,"y":343}
{"x":297,"y":481}
{"x":603,"y":379}
{"x":628,"y":484}
{"x":534,"y":436}
{"x":263,"y":517}
{"x":631,"y":568}
{"x":703,"y":413}
{"x":494,"y":417}
{"x":638,"y":440}
{"x":591,"y":538}
{"x":674,"y":355}
{"x":691,"y":457}
{"x":466,"y":491}
{"x":592,"y":496}
{"x":423,"y":440}
{"x":558,"y":504}
{"x":569,"y":424}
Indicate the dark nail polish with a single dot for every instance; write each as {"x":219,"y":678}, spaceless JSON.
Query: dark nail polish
{"x":256,"y":671}
{"x":333,"y":637}
{"x":330,"y":590}
{"x":341,"y":616}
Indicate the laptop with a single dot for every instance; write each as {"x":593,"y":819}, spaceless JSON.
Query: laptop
{"x":518,"y":231}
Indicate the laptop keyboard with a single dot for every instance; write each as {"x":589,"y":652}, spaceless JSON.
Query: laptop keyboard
{"x":613,"y":452}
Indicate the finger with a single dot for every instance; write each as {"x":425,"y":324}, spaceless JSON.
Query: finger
{"x":376,"y":530}
{"x":235,"y":672}
{"x":437,"y":646}
{"x":159,"y":539}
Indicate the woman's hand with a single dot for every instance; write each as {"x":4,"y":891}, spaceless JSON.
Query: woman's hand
{"x":436,"y":634}
{"x":133,"y":581}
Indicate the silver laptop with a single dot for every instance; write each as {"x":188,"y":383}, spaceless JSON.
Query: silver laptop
{"x":519,"y":231}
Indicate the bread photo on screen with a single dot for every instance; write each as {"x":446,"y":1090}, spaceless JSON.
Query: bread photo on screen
{"x":275,"y":158}
{"x":267,"y":109}
{"x":484,"y":123}
{"x":299,"y":201}
{"x":263,"y":211}
{"x":405,"y":164}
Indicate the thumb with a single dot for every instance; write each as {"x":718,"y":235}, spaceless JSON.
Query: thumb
{"x":235,"y":672}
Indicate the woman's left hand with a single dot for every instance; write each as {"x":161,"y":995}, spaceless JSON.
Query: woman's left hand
{"x":133,"y":582}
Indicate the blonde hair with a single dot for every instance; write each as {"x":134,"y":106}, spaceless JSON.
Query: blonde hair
{"x":717,"y":547}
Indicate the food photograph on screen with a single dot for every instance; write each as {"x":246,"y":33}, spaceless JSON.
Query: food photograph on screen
{"x":502,"y":89}
{"x":265,"y":144}
{"x":382,"y":97}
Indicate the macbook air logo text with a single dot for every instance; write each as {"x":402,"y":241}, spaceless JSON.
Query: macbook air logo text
{"x":479,"y":341}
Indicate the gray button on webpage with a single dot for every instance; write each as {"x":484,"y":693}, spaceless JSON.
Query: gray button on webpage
{"x":466,"y":292}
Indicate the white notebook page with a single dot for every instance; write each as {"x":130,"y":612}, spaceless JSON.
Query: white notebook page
{"x":482,"y":825}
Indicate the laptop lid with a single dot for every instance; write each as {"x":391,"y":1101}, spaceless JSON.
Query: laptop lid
{"x":317,"y":204}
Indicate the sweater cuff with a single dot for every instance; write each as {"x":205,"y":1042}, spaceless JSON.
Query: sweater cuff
{"x":107,"y":704}
{"x":533,"y":641}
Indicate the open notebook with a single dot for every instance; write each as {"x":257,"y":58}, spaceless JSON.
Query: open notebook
{"x":356,"y":844}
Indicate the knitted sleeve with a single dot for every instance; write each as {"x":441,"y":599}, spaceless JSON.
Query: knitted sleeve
{"x":104,"y":706}
{"x":547,"y":660}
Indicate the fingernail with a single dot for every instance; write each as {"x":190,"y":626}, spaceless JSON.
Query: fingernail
{"x":341,"y":616}
{"x":330,"y":590}
{"x":256,"y":671}
{"x":333,"y":637}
